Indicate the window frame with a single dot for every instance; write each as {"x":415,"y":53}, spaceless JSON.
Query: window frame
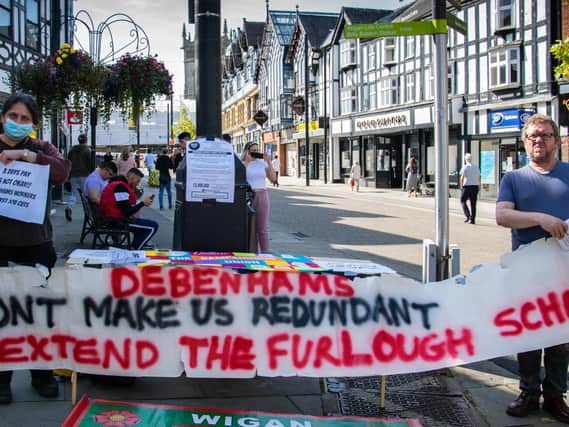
{"x":503,"y":11}
{"x":30,"y":24}
{"x":388,"y":92}
{"x":389,"y":50}
{"x":10,"y":26}
{"x":504,"y":68}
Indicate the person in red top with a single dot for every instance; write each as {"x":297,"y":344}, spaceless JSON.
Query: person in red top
{"x":118,"y":200}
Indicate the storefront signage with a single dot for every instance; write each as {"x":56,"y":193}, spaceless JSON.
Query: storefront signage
{"x":513,"y":118}
{"x":313,"y":126}
{"x":383,"y":121}
{"x":395,"y":29}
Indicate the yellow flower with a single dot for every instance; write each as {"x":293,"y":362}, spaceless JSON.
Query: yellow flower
{"x":64,"y":55}
{"x":71,"y":51}
{"x":59,"y":60}
{"x":65,"y":46}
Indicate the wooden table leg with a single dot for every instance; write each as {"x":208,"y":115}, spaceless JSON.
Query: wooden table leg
{"x":382,"y":392}
{"x":73,"y":387}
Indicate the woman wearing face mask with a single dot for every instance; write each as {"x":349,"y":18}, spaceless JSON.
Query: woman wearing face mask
{"x":258,"y":169}
{"x":23,"y":242}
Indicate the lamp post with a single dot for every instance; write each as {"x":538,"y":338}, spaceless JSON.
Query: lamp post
{"x":106,"y":53}
{"x":306,"y":112}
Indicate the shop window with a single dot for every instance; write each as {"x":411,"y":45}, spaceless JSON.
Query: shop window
{"x":6,"y":18}
{"x":504,"y":68}
{"x":32,"y":24}
{"x":505,"y":15}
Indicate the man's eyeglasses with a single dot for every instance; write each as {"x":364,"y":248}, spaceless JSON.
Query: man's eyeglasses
{"x":545,"y":136}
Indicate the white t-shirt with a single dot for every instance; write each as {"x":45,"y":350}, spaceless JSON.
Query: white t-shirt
{"x":276,"y":165}
{"x":256,"y":174}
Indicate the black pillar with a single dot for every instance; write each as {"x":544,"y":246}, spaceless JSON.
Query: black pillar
{"x":208,"y":61}
{"x":93,"y":115}
{"x":306,"y":112}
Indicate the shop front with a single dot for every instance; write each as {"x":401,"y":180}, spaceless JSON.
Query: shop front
{"x":379,"y":148}
{"x":316,"y":152}
{"x":500,"y":151}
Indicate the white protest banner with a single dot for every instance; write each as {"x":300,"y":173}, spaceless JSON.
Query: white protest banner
{"x":23,"y":191}
{"x":213,"y":322}
{"x":210,"y":171}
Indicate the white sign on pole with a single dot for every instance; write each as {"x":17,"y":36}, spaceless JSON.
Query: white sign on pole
{"x":23,"y":191}
{"x":210,"y":168}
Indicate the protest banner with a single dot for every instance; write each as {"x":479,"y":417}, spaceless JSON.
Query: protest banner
{"x":212,"y":322}
{"x":96,"y":412}
{"x":23,"y":191}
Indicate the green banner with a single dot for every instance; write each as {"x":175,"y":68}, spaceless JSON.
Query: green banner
{"x":395,"y":29}
{"x":104,"y":413}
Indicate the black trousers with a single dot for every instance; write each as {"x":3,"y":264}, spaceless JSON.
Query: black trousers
{"x":556,"y":361}
{"x":469,"y":192}
{"x":28,"y":255}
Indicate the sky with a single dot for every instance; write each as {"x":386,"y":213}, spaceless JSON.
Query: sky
{"x":162,"y":21}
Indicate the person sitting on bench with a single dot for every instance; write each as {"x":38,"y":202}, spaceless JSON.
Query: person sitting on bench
{"x":118,"y":201}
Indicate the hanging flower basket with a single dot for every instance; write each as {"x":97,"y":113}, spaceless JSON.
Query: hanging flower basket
{"x":134,"y":84}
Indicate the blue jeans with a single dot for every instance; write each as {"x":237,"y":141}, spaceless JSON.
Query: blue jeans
{"x":142,"y":230}
{"x":165,"y":185}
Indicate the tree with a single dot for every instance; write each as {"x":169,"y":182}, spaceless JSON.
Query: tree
{"x":560,"y":51}
{"x":185,"y":124}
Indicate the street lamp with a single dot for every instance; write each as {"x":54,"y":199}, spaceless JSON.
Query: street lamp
{"x":104,"y":54}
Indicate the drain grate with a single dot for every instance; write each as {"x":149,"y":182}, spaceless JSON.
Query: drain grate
{"x":422,"y":396}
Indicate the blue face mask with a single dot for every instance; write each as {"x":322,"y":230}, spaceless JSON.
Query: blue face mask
{"x":17,"y":131}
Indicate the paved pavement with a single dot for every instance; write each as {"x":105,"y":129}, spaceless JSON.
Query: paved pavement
{"x":473,"y":395}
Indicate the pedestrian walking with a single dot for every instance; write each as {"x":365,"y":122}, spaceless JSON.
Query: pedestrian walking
{"x":149,"y":160}
{"x":164,"y":165}
{"x":81,"y":166}
{"x":24,"y":242}
{"x":258,"y":169}
{"x":355,"y":175}
{"x":470,"y":184}
{"x":532,"y":201}
{"x":277,"y":168}
{"x":412,"y":171}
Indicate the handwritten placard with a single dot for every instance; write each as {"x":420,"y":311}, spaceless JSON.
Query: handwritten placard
{"x":23,"y":191}
{"x":213,"y":322}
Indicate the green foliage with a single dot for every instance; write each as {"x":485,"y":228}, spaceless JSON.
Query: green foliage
{"x":560,"y":51}
{"x":185,"y":124}
{"x":71,"y":79}
{"x":135,"y":82}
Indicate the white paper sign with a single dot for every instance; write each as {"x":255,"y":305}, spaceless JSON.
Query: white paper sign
{"x":210,"y":171}
{"x":23,"y":191}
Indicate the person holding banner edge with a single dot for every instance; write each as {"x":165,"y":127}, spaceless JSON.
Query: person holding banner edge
{"x":23,"y":242}
{"x":534,"y":202}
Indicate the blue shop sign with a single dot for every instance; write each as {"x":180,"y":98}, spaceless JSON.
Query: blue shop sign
{"x":513,"y":118}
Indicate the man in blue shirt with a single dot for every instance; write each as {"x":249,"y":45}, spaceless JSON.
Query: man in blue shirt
{"x":97,"y":180}
{"x":534,"y":202}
